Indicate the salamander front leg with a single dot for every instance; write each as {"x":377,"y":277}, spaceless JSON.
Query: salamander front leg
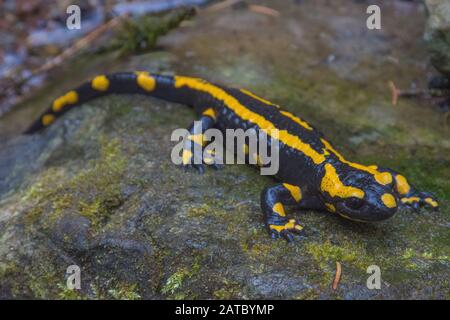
{"x":193,"y":155}
{"x":408,"y":195}
{"x":273,"y":200}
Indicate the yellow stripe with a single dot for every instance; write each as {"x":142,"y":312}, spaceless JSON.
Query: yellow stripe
{"x":381,"y":177}
{"x":295,"y":191}
{"x":244,"y":113}
{"x":334,"y":186}
{"x":271,"y":130}
{"x":304,"y":124}
{"x":254,"y":96}
{"x":301,"y":122}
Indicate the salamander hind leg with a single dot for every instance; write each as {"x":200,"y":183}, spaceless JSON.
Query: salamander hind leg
{"x":195,"y":152}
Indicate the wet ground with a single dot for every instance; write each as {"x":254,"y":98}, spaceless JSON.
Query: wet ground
{"x":98,"y":188}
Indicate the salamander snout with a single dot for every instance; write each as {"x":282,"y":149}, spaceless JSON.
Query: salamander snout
{"x":377,"y":204}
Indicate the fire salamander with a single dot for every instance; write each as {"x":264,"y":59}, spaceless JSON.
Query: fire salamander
{"x":312,"y":173}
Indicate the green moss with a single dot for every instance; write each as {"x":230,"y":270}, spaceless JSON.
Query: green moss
{"x":309,"y":294}
{"x":124,"y":292}
{"x":141,"y":34}
{"x":69,"y":294}
{"x":326,"y":252}
{"x":32,"y":215}
{"x":174,"y":283}
{"x":94,"y":192}
{"x":261,"y":250}
{"x":42,"y":279}
{"x":411,"y":258}
{"x":198,"y":212}
{"x":230,"y":290}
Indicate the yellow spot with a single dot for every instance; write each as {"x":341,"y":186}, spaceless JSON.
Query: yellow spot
{"x":146,"y":81}
{"x":383,"y":178}
{"x":335,"y":188}
{"x":254,"y":96}
{"x":245,"y":148}
{"x":246,"y":114}
{"x":210,"y":113}
{"x":296,"y":119}
{"x":100,"y":83}
{"x":187,"y":155}
{"x":70,"y":97}
{"x":48,"y":119}
{"x":208,"y":160}
{"x":389,"y":200}
{"x":277,"y":228}
{"x":373,"y":167}
{"x":278,"y":208}
{"x":402,"y":184}
{"x":410,"y":200}
{"x":197,"y":138}
{"x":380,"y":177}
{"x":290,"y":225}
{"x":330,"y":207}
{"x":431,"y":202}
{"x":295,"y":191}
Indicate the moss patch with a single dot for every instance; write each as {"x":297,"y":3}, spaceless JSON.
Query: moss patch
{"x":94,"y":192}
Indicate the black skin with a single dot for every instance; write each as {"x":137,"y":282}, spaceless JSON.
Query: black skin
{"x":297,"y":171}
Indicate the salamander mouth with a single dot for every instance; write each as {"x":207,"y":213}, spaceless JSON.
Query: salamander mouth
{"x":365,"y":213}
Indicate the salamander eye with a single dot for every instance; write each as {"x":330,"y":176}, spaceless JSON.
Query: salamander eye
{"x":353,"y":203}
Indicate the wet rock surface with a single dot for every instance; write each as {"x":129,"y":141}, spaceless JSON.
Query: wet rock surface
{"x":98,"y":188}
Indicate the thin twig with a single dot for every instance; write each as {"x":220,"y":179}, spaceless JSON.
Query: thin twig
{"x":397,"y":93}
{"x":394,"y":92}
{"x":337,"y":276}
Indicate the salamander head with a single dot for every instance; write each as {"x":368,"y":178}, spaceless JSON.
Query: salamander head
{"x":357,"y":194}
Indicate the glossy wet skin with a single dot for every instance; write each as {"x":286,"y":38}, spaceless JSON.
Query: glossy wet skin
{"x":379,"y":202}
{"x":309,"y":161}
